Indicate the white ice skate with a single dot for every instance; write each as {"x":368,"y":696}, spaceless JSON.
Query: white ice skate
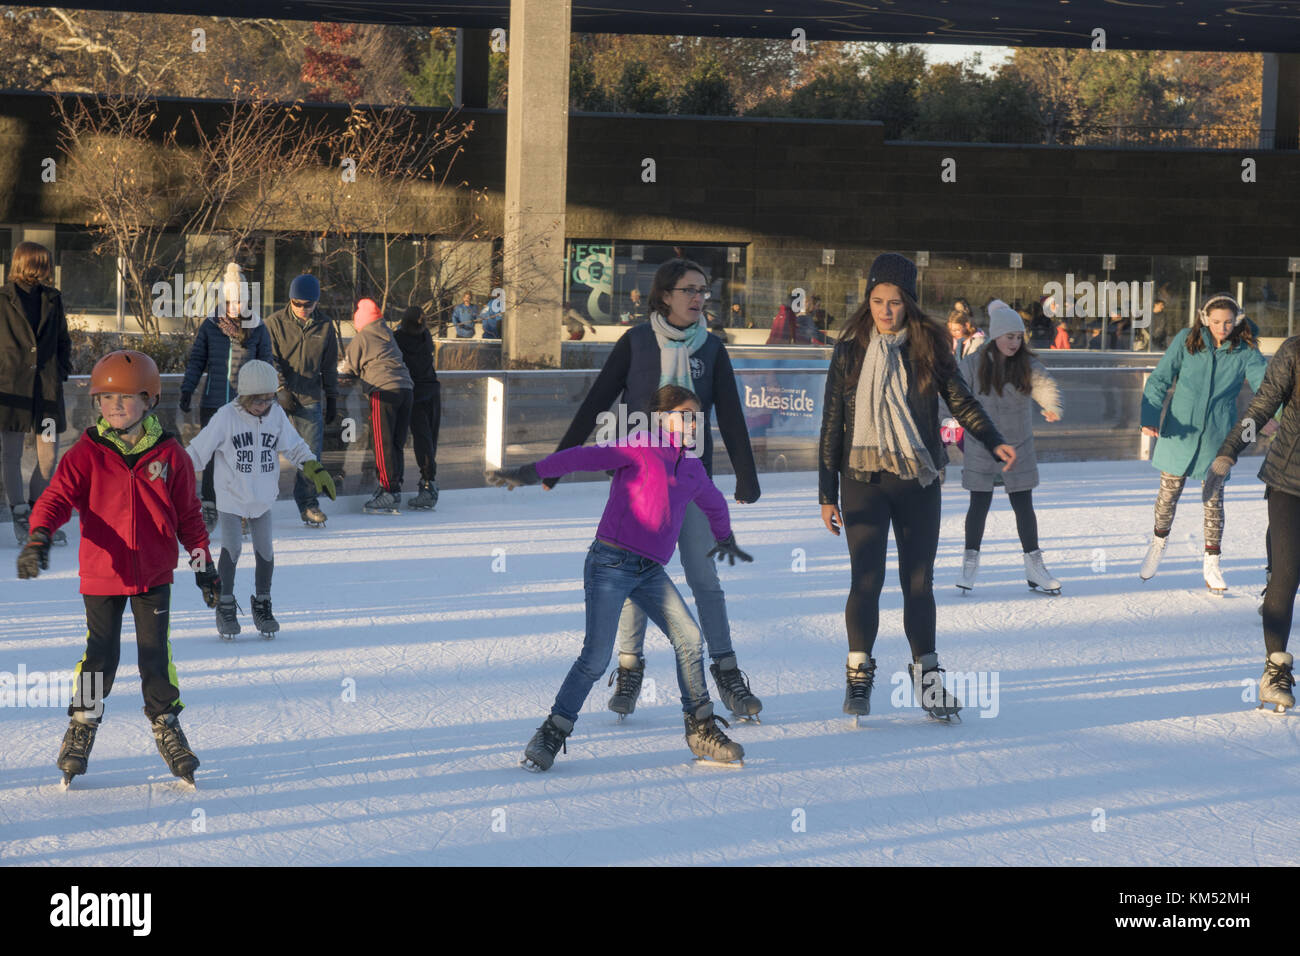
{"x":1213,"y":577}
{"x":970,"y":565}
{"x":1154,"y":554}
{"x":1036,"y":575}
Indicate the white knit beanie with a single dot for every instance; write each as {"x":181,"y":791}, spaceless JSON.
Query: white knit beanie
{"x":1003,"y":319}
{"x":258,"y":378}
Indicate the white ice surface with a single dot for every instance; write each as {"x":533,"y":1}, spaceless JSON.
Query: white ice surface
{"x":1116,"y":697}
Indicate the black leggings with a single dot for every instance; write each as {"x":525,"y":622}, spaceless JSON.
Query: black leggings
{"x":1284,"y":559}
{"x":1022,"y":503}
{"x":868,"y":510}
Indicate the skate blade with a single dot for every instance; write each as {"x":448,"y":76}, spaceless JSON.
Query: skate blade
{"x":268,"y":635}
{"x":750,"y":719}
{"x":1043,"y":590}
{"x":723,"y":764}
{"x":1279,"y":710}
{"x":531,"y":767}
{"x":1218,"y":592}
{"x":188,"y":781}
{"x":964,"y":590}
{"x":945,"y":718}
{"x":66,"y":783}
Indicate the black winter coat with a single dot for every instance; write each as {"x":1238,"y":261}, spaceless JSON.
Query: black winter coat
{"x":416,"y":344}
{"x":306,"y":356}
{"x":34,"y":363}
{"x":1281,"y":386}
{"x":841,"y":401}
{"x":216,"y":354}
{"x":632,"y":371}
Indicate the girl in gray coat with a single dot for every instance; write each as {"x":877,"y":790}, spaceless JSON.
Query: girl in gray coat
{"x":1007,"y":379}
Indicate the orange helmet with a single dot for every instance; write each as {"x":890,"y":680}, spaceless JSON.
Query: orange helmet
{"x":126,"y":372}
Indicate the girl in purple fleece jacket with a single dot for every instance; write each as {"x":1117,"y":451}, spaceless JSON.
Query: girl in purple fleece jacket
{"x":654,"y":479}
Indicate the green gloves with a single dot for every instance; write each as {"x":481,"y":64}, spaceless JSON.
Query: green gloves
{"x":319,"y":477}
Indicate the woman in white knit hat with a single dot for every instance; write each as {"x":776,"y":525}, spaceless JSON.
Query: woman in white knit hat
{"x":244,"y":439}
{"x":1007,"y":379}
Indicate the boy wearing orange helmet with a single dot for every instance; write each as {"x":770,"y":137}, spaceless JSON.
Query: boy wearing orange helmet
{"x":133,"y":486}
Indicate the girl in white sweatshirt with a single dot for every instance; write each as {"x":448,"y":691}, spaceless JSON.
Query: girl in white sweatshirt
{"x":246,"y":437}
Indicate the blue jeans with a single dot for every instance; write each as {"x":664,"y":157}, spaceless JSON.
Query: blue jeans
{"x":693,"y":546}
{"x":612,"y":576}
{"x":309,"y":422}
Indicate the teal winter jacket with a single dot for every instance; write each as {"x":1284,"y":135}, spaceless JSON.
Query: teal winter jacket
{"x":1204,"y":407}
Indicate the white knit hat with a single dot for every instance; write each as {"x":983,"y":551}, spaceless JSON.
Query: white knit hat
{"x":1003,"y":319}
{"x":258,"y":378}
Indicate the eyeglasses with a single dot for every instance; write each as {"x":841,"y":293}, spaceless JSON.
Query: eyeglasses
{"x":297,"y":304}
{"x":693,"y":291}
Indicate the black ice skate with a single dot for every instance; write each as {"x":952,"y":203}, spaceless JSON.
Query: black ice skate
{"x":227,"y":617}
{"x":313,"y":517}
{"x":263,"y":620}
{"x":712,"y":748}
{"x":74,"y":755}
{"x":1275,"y":687}
{"x":629,"y":686}
{"x":383,"y":503}
{"x":546,"y":743}
{"x":733,"y":688}
{"x":175,"y":749}
{"x":427,"y":498}
{"x":858,"y":683}
{"x":934,"y":698}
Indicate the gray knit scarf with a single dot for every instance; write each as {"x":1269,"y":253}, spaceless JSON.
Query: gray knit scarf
{"x":885,"y":436}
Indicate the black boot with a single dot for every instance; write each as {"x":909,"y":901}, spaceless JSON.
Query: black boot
{"x":859,"y":681}
{"x":629,"y":685}
{"x":74,"y":755}
{"x":927,"y":681}
{"x":733,"y":688}
{"x":173,"y":746}
{"x":546,"y":743}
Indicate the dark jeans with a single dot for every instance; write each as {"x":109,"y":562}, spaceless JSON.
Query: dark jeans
{"x":426,"y":417}
{"x":868,"y":510}
{"x":158,"y":680}
{"x":1284,"y":559}
{"x":309,"y":422}
{"x":610,"y":577}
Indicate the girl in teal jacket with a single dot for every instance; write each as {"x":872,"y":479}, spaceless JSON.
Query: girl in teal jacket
{"x":1209,"y":363}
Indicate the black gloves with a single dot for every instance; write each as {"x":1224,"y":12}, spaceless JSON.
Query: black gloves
{"x":209,"y":582}
{"x":331,"y":409}
{"x":35,"y":557}
{"x":185,"y":401}
{"x":1216,"y":476}
{"x":726,"y":548}
{"x":747,"y":491}
{"x":512,"y":478}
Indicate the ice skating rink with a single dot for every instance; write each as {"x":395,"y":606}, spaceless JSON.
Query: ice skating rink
{"x":1113,"y":724}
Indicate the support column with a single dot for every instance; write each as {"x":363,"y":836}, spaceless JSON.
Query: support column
{"x":1280,"y":100}
{"x":472,"y":68}
{"x":537,"y":147}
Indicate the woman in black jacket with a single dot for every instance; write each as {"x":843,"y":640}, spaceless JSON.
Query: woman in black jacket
{"x":1281,"y":476}
{"x":880,"y":432}
{"x":35,"y":361}
{"x":675,"y":347}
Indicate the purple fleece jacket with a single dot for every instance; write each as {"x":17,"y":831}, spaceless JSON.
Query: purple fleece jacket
{"x":647,"y":501}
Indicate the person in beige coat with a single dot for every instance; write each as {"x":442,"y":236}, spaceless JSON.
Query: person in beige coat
{"x":1007,"y":379}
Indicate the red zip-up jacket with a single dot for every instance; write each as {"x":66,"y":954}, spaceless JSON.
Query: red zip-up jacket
{"x":131,"y":514}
